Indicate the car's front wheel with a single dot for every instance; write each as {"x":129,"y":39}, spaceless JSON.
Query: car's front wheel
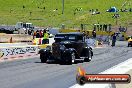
{"x":43,"y":58}
{"x":72,"y":58}
{"x":88,"y":57}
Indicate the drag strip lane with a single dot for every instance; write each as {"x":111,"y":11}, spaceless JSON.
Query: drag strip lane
{"x":32,"y":74}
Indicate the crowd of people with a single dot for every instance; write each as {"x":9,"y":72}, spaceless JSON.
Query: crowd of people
{"x":113,"y":37}
{"x":42,"y":34}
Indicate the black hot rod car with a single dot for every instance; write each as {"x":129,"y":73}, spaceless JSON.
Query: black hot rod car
{"x":67,"y":48}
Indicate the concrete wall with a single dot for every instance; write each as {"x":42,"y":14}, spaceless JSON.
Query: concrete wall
{"x":15,"y":37}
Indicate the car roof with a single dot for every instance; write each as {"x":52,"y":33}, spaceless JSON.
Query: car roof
{"x":70,"y":33}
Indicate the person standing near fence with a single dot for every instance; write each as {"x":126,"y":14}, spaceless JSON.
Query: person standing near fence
{"x":94,"y":34}
{"x":40,"y":33}
{"x":45,"y":37}
{"x":37,"y":34}
{"x":113,"y":39}
{"x":34,"y":34}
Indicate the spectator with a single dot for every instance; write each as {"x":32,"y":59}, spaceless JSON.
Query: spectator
{"x":45,"y":37}
{"x":100,"y":27}
{"x":37,"y":34}
{"x":40,"y":33}
{"x":113,"y":39}
{"x":94,"y":34}
{"x":34,"y":35}
{"x":105,"y":27}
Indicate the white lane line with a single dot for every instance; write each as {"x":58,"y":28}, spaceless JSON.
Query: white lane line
{"x":121,"y":68}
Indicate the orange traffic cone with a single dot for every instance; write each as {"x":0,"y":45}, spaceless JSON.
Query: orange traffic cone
{"x":11,"y":40}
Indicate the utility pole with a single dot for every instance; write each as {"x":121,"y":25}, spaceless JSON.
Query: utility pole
{"x":63,"y":6}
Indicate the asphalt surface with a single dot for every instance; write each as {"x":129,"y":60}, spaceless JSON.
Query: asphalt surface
{"x":30,"y":73}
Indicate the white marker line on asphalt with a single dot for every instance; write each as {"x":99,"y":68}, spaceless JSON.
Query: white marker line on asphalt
{"x":121,"y":68}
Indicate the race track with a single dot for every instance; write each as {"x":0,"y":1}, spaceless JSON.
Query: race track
{"x":30,"y":73}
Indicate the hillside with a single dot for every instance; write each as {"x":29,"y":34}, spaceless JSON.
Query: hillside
{"x":49,"y":12}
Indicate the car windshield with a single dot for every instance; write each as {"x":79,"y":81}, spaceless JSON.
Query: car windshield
{"x":71,"y":37}
{"x":61,"y":37}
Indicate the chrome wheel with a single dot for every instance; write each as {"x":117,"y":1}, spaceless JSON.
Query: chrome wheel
{"x":90,"y":56}
{"x":73,"y":57}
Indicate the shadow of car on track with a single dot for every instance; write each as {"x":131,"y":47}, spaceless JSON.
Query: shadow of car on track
{"x":58,"y":63}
